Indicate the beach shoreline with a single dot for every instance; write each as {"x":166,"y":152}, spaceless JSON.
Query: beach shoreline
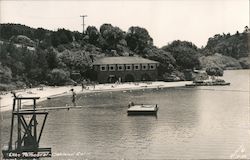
{"x":49,"y":92}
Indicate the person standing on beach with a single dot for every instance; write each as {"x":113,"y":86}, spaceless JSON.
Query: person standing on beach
{"x":83,"y":86}
{"x":73,"y":97}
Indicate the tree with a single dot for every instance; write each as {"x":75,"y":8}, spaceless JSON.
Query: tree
{"x":61,"y":36}
{"x":58,"y":77}
{"x":40,"y":34}
{"x":6,"y":32}
{"x":185,"y":53}
{"x":77,"y":35}
{"x":105,"y":27}
{"x":214,"y":71}
{"x":51,"y":58}
{"x":75,"y":61}
{"x":92,"y":34}
{"x":42,"y":65}
{"x":138,"y":39}
{"x":166,"y":60}
{"x":110,"y":37}
{"x":29,"y":61}
{"x":12,"y":57}
{"x":5,"y":74}
{"x":229,"y":45}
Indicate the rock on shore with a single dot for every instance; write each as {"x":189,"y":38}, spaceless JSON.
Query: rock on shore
{"x":245,"y":62}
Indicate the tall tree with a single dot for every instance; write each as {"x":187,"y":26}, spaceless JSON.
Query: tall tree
{"x":110,"y":37}
{"x":185,"y":54}
{"x":51,"y":58}
{"x":5,"y":74}
{"x":61,"y":36}
{"x":167,"y":61}
{"x":92,"y":34}
{"x":138,"y":39}
{"x":40,"y":34}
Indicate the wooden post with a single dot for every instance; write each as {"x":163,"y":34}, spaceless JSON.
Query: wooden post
{"x":19,"y":136}
{"x":35,"y":122}
{"x":12,"y":123}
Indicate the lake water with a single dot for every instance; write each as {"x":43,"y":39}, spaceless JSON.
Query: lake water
{"x":192,"y":123}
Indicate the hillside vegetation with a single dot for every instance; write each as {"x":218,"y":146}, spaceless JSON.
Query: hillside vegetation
{"x":30,"y":56}
{"x":227,"y":51}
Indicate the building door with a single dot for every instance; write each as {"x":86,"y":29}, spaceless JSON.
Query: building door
{"x":145,"y":77}
{"x":112,"y":79}
{"x":129,"y":78}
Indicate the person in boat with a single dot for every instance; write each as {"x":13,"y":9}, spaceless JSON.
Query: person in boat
{"x":131,"y":104}
{"x":73,"y":97}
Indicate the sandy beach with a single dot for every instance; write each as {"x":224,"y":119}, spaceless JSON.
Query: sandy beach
{"x":50,"y":92}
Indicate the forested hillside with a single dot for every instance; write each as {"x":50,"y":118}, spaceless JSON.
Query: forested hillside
{"x":227,"y":51}
{"x":39,"y":56}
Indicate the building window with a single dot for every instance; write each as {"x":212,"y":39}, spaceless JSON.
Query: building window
{"x":120,"y":67}
{"x":136,"y":67}
{"x":128,"y":67}
{"x":103,"y":68}
{"x":152,"y":66}
{"x":111,"y":67}
{"x":144,"y":66}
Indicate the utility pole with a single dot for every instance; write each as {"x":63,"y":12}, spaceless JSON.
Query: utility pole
{"x":83,"y":16}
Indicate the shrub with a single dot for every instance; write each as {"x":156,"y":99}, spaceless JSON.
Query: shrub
{"x":5,"y":74}
{"x":6,"y":87}
{"x":214,"y":71}
{"x":58,"y":77}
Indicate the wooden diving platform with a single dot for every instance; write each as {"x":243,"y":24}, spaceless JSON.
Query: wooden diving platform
{"x":25,"y":144}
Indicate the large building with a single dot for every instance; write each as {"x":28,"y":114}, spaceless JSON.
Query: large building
{"x":125,"y":69}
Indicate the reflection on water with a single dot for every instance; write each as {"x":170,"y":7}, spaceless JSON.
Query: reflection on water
{"x":204,"y":122}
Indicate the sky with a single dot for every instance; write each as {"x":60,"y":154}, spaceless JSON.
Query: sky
{"x":165,"y":20}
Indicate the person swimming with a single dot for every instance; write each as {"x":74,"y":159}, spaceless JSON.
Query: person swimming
{"x":73,"y":97}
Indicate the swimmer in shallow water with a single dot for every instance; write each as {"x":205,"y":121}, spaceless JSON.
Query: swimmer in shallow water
{"x":73,"y":97}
